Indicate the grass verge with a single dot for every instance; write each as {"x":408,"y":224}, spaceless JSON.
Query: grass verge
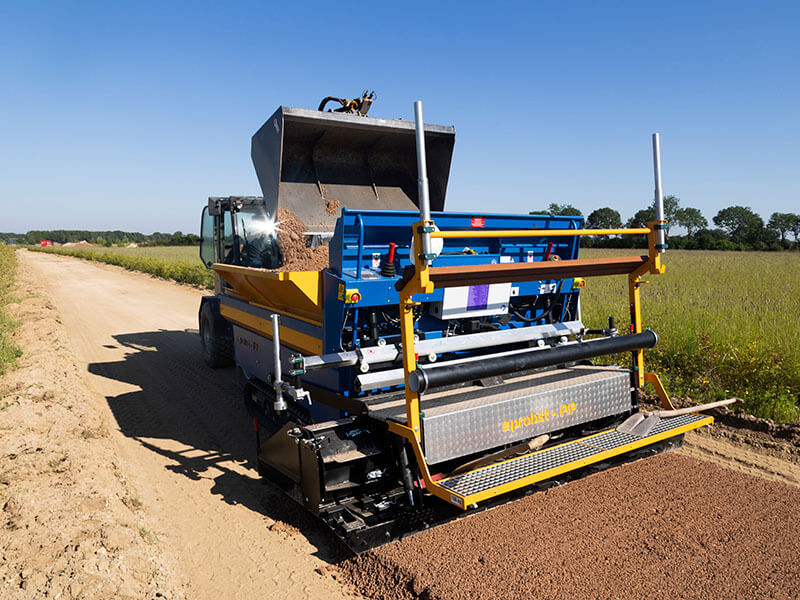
{"x":176,"y":270}
{"x":9,"y":352}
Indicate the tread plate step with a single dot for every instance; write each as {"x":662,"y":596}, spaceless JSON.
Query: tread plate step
{"x":499,"y":474}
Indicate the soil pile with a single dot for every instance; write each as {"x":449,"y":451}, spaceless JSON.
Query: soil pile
{"x":332,"y":206}
{"x":668,"y":526}
{"x":745,"y":431}
{"x":297,"y":254}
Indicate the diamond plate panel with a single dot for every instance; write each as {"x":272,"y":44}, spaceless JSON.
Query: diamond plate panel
{"x":524,"y":413}
{"x":673,"y":422}
{"x":531,"y":464}
{"x":615,"y":439}
{"x":538,"y":462}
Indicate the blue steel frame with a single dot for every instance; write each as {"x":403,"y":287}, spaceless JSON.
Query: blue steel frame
{"x":361,"y":233}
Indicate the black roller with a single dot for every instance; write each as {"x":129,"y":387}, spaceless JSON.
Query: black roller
{"x":425,"y":378}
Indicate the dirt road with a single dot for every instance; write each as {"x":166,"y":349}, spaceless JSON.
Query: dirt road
{"x":669,"y":526}
{"x":184,"y":437}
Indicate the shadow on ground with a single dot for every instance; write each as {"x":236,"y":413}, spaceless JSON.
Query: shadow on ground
{"x":182,"y":400}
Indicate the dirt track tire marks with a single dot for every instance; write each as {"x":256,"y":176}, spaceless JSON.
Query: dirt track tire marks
{"x":184,"y":435}
{"x":742,"y":458}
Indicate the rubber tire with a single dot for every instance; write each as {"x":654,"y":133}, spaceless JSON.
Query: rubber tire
{"x":216,"y":338}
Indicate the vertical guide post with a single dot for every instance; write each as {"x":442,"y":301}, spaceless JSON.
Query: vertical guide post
{"x":280,"y":403}
{"x":422,"y":180}
{"x":659,"y":195}
{"x":409,"y":362}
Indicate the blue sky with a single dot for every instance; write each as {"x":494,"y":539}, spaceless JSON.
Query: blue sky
{"x":129,"y":115}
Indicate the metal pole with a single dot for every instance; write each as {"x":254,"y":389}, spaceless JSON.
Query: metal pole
{"x":422,"y":180}
{"x":280,"y":403}
{"x":659,"y":196}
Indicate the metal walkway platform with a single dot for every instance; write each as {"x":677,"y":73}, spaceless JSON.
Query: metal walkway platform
{"x":475,"y":418}
{"x":492,"y":480}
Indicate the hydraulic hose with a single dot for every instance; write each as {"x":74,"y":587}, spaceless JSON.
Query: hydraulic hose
{"x":423,"y":378}
{"x":327,"y":99}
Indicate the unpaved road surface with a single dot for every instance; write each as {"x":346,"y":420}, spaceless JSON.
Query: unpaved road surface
{"x":671,"y":526}
{"x":666,"y":527}
{"x":183,"y":437}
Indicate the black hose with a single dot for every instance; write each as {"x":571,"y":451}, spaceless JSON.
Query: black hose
{"x":327,"y":99}
{"x":547,"y":314}
{"x":429,"y":377}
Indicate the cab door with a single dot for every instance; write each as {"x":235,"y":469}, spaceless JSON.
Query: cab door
{"x":217,"y":237}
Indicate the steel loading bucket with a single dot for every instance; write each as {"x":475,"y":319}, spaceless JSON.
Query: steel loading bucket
{"x":312,"y":163}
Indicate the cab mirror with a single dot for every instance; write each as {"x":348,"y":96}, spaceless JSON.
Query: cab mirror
{"x":214,"y":207}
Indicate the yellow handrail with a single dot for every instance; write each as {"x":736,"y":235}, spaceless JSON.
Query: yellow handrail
{"x":421,"y":283}
{"x":493,"y":233}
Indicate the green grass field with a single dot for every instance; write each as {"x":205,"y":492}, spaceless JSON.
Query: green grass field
{"x":9,"y":352}
{"x":183,"y":254}
{"x":179,"y":263}
{"x":727,"y":321}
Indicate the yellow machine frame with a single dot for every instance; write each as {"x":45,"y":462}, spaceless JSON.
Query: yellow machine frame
{"x":421,"y":283}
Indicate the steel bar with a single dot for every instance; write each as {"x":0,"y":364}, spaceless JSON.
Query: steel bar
{"x":391,"y":377}
{"x":536,"y":271}
{"x":424,"y":378}
{"x":280,"y":403}
{"x":501,"y":233}
{"x":327,"y":361}
{"x":422,"y":183}
{"x":471,"y":341}
{"x":457,"y":343}
{"x":659,"y":195}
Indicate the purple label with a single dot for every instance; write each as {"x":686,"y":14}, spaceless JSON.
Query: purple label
{"x":478,"y":297}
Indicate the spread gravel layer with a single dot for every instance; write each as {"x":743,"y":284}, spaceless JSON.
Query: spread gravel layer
{"x":668,"y":526}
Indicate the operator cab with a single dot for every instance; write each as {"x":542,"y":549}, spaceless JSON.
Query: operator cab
{"x":239,"y":231}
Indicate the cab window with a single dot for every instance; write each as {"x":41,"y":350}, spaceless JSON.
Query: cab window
{"x":227,"y":238}
{"x":207,"y":238}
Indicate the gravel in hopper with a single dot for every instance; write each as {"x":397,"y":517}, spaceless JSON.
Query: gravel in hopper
{"x":297,"y":255}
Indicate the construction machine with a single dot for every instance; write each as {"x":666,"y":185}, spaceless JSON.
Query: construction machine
{"x":439,"y":364}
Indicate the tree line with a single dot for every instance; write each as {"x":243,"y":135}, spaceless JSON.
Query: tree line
{"x":102,"y":238}
{"x":736,"y":227}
